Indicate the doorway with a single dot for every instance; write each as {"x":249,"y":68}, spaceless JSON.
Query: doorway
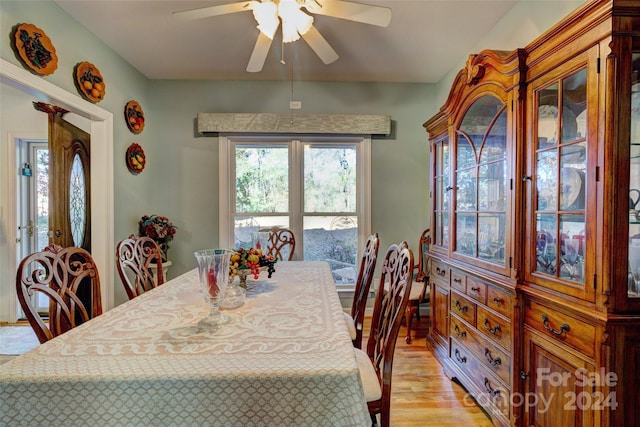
{"x":33,"y":202}
{"x":32,"y":88}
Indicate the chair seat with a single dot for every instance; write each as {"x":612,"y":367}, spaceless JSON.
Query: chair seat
{"x":370,"y":381}
{"x":416,"y":290}
{"x":350,"y":325}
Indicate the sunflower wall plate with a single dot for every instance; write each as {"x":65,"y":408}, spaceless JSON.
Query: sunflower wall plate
{"x":34,"y":49}
{"x":134,"y":116}
{"x":89,"y":81}
{"x":135,"y":158}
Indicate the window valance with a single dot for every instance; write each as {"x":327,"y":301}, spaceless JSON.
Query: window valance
{"x":297,"y":123}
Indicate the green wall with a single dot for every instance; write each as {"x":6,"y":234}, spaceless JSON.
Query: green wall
{"x":188,"y":194}
{"x":181,"y":176}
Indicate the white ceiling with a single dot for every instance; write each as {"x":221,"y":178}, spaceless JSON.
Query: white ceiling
{"x":425,"y":39}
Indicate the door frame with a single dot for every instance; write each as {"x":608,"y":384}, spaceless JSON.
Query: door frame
{"x":102,"y":202}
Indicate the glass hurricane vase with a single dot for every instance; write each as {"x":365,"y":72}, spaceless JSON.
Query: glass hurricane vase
{"x":213,"y":268}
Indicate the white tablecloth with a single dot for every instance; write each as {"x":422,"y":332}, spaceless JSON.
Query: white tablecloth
{"x":286,"y":359}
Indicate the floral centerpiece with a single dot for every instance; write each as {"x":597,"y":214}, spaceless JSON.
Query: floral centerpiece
{"x":250,"y":261}
{"x":158,"y":228}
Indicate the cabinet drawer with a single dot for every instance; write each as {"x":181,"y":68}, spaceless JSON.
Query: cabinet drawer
{"x":476,"y":290}
{"x":562,"y":327}
{"x":491,"y":388}
{"x":459,"y":281}
{"x":500,"y":300}
{"x":440,"y":271}
{"x":495,"y":327}
{"x":493,"y":358}
{"x":463,"y":307}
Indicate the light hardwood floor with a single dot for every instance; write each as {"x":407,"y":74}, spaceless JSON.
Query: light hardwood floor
{"x":421,"y":395}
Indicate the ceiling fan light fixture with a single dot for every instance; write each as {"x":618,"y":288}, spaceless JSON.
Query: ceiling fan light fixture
{"x":295,"y":22}
{"x":266,"y":14}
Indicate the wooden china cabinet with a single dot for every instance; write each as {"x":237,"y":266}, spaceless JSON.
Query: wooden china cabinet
{"x":535,"y":197}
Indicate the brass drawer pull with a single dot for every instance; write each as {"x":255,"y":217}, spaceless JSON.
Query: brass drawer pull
{"x":475,"y":289}
{"x":458,"y":333}
{"x":491,"y":391}
{"x":461,"y":309}
{"x":495,"y":331}
{"x":441,"y":272}
{"x":462,"y":359}
{"x":564,"y":328}
{"x":493,"y":362}
{"x":457,"y":280}
{"x":497,"y":300}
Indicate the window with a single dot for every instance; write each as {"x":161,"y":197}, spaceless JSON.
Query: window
{"x":319,"y":187}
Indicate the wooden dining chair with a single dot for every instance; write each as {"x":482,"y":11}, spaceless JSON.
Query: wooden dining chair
{"x":281,"y":243}
{"x":69,"y":281}
{"x":139,"y":262}
{"x":376,"y":363}
{"x":355,"y":320}
{"x":420,"y":290}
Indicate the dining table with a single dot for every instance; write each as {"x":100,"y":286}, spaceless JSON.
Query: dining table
{"x":284,"y":359}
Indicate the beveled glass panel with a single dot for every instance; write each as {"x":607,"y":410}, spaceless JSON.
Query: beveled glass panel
{"x":445,"y":230}
{"x":466,"y":239}
{"x":546,"y":261}
{"x":466,"y":156}
{"x":547,"y":117}
{"x":491,"y":183}
{"x":438,"y":228}
{"x":633,"y":286}
{"x":495,"y":146}
{"x":439,"y":196}
{"x":77,"y":201}
{"x":479,"y":117}
{"x":572,"y":177}
{"x":491,"y":241}
{"x":466,"y":190}
{"x":574,"y":101}
{"x":442,"y":158}
{"x":547,"y":180}
{"x":572,"y":241}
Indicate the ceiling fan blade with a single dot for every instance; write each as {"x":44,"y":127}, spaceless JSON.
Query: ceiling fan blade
{"x":320,"y":46}
{"x":259,"y":54}
{"x":205,"y":12}
{"x":365,"y":13}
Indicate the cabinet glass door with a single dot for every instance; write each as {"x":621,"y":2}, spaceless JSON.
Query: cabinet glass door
{"x":634,"y":183}
{"x":560,"y":164}
{"x":442,"y":189}
{"x":481,"y":182}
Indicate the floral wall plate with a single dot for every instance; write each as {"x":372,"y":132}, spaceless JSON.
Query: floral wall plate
{"x":134,"y":116}
{"x":135,"y":158}
{"x":89,"y":81}
{"x":35,"y":49}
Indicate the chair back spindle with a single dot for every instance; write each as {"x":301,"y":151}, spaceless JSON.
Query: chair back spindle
{"x":68,"y":279}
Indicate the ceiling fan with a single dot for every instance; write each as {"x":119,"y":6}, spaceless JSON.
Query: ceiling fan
{"x":295,"y":17}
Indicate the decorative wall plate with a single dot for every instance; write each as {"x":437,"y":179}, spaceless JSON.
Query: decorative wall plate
{"x":34,"y":49}
{"x":135,"y":158}
{"x":89,"y":81}
{"x":134,"y":116}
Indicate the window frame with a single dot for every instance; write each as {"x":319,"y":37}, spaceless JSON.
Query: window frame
{"x":227,"y":143}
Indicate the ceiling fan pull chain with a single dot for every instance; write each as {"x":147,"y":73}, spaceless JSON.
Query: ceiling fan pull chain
{"x":282,"y":53}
